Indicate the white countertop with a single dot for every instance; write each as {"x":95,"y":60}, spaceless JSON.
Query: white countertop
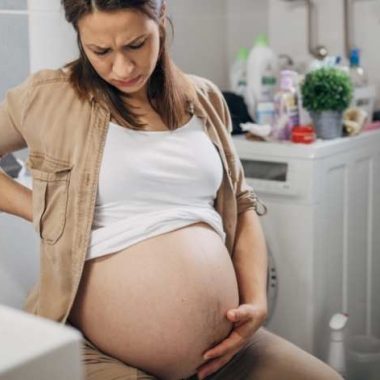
{"x":318,"y":149}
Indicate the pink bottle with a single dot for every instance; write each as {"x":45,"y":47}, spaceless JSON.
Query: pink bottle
{"x":286,"y":106}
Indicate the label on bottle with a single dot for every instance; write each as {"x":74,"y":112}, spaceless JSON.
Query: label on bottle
{"x":268,"y":85}
{"x":265,"y":113}
{"x":287,"y":115}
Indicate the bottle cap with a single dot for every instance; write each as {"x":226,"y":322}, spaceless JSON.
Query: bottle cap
{"x":338,"y":321}
{"x":261,"y":40}
{"x":243,"y":54}
{"x":355,"y":57}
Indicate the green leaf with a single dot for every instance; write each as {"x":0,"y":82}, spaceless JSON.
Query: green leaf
{"x":326,"y":89}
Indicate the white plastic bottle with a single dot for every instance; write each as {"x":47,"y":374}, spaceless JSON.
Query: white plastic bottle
{"x":336,"y":356}
{"x":262,"y":75}
{"x":238,"y":73}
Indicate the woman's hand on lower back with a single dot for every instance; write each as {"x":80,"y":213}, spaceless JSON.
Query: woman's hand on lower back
{"x":247,"y":319}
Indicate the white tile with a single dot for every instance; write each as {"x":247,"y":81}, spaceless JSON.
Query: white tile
{"x":200,"y":46}
{"x":14,"y":46}
{"x":195,"y":8}
{"x":365,"y":32}
{"x":242,"y":30}
{"x":288,"y":29}
{"x":52,"y":40}
{"x":44,"y":5}
{"x":252,"y":8}
{"x":13,"y":4}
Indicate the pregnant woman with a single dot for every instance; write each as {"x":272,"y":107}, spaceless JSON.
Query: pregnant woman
{"x":150,"y":240}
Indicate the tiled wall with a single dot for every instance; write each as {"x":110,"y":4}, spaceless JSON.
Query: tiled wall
{"x":13,"y":4}
{"x":288,"y":30}
{"x":208,"y":34}
{"x":33,"y":35}
{"x":199,"y":45}
{"x":245,"y":19}
{"x":14,"y":44}
{"x":207,"y":37}
{"x":52,"y":39}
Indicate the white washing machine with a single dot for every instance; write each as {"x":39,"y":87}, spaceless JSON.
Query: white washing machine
{"x":323,"y":231}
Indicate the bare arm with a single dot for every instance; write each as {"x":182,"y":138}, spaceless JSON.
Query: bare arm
{"x":15,"y":198}
{"x":250,"y":260}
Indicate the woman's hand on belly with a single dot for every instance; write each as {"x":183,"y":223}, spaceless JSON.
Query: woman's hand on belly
{"x":247,"y":319}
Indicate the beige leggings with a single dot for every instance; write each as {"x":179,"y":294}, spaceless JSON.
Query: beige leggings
{"x":266,"y":357}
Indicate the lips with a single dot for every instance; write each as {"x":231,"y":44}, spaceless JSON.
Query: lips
{"x":128,"y":83}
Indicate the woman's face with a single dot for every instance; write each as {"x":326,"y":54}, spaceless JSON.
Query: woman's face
{"x":123,"y":47}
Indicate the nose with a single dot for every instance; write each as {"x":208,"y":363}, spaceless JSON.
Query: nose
{"x":122,"y":67}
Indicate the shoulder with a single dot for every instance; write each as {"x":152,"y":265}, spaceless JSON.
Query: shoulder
{"x":48,"y":77}
{"x":21,"y":94}
{"x":41,"y":80}
{"x":208,"y":92}
{"x":204,"y":86}
{"x":210,"y":98}
{"x":46,"y":85}
{"x":42,"y":88}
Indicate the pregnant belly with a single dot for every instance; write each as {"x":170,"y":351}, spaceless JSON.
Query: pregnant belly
{"x":159,"y":304}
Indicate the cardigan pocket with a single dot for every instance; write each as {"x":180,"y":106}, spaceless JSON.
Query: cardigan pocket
{"x":49,"y":200}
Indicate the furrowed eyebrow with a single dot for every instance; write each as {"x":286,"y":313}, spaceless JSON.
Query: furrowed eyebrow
{"x":94,"y":46}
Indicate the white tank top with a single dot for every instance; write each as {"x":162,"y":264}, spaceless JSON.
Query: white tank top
{"x":153,"y":182}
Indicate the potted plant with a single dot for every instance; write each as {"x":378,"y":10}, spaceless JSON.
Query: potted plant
{"x":326,"y":93}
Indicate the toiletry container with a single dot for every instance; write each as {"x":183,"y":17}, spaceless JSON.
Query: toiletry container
{"x":262,"y":75}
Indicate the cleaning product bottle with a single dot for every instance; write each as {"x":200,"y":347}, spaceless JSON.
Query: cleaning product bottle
{"x":356,"y":72}
{"x":262,"y":73}
{"x":336,"y":356}
{"x":238,"y":73}
{"x":265,"y":113}
{"x":286,"y":106}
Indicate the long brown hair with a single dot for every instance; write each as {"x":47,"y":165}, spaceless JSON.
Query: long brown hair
{"x":169,"y":91}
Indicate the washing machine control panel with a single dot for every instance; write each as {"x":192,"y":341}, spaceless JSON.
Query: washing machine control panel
{"x":276,"y":177}
{"x":268,"y":176}
{"x":278,"y":169}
